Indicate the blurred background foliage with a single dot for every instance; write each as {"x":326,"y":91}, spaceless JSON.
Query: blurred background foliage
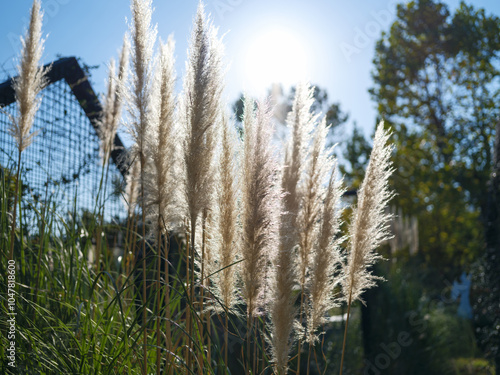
{"x":436,"y":85}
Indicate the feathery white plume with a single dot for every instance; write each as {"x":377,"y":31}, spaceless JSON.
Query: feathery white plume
{"x":260,"y":201}
{"x":143,"y":38}
{"x":301,"y":121}
{"x":369,"y":224}
{"x":160,"y":192}
{"x":113,"y":102}
{"x":327,"y":260}
{"x":30,"y":81}
{"x":228,"y":228}
{"x":200,"y":111}
{"x":312,"y":194}
{"x":282,"y":309}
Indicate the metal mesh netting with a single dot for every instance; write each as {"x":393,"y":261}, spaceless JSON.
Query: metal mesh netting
{"x":63,"y":164}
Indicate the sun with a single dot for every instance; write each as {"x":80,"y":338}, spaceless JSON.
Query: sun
{"x":276,"y":56}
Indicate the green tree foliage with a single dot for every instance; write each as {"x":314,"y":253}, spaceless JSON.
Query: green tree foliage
{"x":436,"y":82}
{"x":355,"y":153}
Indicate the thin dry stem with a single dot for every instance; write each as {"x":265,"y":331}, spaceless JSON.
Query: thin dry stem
{"x":143,"y":38}
{"x":200,"y":111}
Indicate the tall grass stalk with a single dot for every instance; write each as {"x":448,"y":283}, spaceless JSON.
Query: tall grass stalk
{"x":369,"y":224}
{"x":200,"y":113}
{"x":27,"y":86}
{"x":130,"y":196}
{"x":228,"y":246}
{"x":107,"y":127}
{"x":113,"y":101}
{"x":282,"y":310}
{"x":260,"y":201}
{"x":319,"y":164}
{"x":325,"y":268}
{"x":143,"y":37}
{"x":160,"y":176}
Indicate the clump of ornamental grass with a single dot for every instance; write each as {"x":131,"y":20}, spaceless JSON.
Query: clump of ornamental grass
{"x":27,"y":86}
{"x":369,"y":223}
{"x":255,"y":235}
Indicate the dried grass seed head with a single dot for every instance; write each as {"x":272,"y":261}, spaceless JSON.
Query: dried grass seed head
{"x":143,"y":37}
{"x":200,"y":111}
{"x":326,"y":270}
{"x":30,"y":80}
{"x":261,"y":203}
{"x":162,"y":140}
{"x":369,"y":224}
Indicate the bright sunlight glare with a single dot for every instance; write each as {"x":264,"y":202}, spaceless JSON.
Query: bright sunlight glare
{"x":275,"y":56}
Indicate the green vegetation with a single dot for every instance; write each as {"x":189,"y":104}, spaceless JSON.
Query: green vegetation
{"x":222,"y":236}
{"x":436,"y":83}
{"x":233,"y":259}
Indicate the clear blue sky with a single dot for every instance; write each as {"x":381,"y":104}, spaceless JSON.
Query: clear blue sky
{"x":335,"y":39}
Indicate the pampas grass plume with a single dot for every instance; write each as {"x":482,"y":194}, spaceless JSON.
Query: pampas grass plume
{"x":160,"y":192}
{"x":260,"y":200}
{"x":282,"y":309}
{"x":200,"y":109}
{"x":143,"y":37}
{"x":327,"y":260}
{"x":113,"y":101}
{"x":312,"y":193}
{"x":30,"y":81}
{"x":369,"y":224}
{"x":227,"y":197}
